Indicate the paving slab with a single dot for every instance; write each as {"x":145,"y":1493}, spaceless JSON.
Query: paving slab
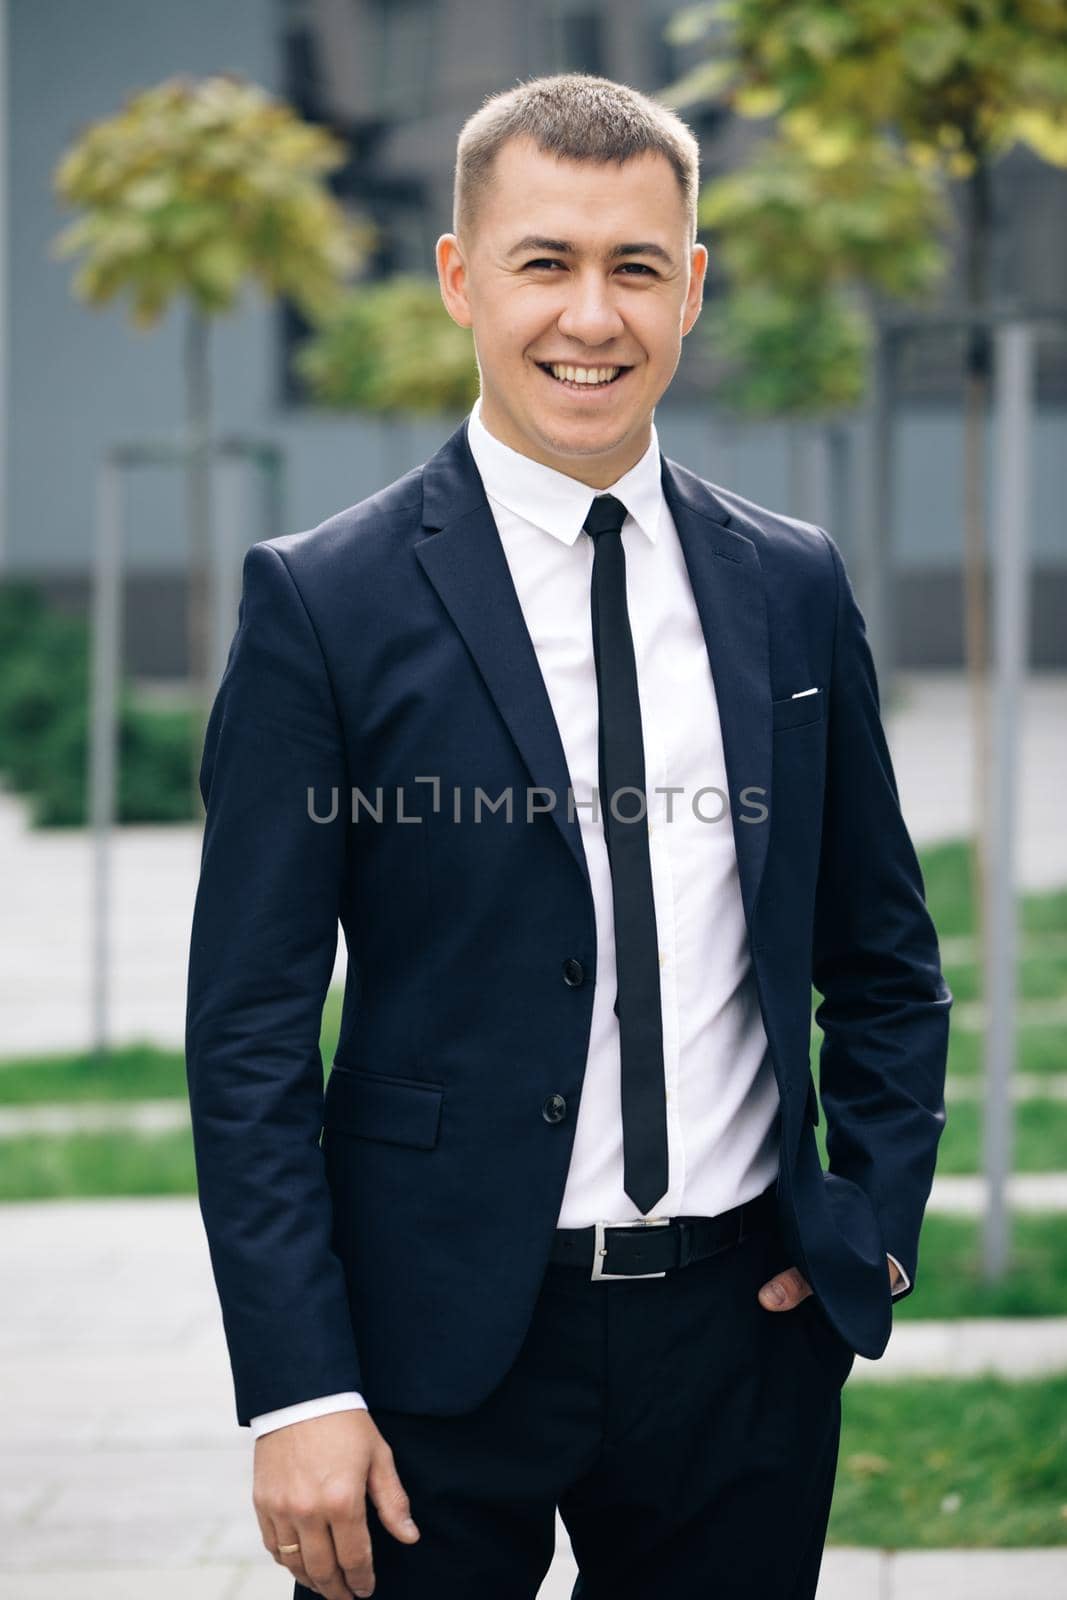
{"x":974,"y":1575}
{"x":965,"y":1194}
{"x":142,"y":1583}
{"x":969,"y":1347}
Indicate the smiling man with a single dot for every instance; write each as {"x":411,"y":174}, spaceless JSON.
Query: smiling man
{"x":558,"y":1235}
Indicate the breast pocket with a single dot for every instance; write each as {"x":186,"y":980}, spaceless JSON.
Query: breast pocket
{"x":797,"y":713}
{"x":368,"y":1105}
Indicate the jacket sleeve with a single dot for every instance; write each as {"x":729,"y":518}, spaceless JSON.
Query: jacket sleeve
{"x":264,"y":940}
{"x":875,"y":961}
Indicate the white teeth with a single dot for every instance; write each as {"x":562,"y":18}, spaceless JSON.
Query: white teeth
{"x":590,"y":375}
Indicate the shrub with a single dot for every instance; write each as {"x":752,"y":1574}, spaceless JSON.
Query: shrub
{"x":44,"y":724}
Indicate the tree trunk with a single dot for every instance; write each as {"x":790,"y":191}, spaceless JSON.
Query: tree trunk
{"x":198,"y":517}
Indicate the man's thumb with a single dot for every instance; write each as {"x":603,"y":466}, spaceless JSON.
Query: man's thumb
{"x":390,"y":1501}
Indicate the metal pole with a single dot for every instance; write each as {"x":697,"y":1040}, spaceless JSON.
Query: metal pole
{"x":225,"y":555}
{"x":1011,"y":511}
{"x":878,"y":607}
{"x":106,"y":653}
{"x":106,"y":649}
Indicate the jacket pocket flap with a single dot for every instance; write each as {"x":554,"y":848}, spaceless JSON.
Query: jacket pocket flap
{"x":366,"y":1105}
{"x":792,"y":713}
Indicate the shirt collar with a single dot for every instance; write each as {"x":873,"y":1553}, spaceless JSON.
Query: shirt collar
{"x":553,"y":501}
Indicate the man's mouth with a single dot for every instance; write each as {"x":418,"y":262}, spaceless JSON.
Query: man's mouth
{"x":583,"y":380}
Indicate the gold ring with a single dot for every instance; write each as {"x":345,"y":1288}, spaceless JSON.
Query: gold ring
{"x":287,"y":1549}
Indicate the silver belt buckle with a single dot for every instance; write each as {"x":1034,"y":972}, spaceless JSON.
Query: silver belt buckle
{"x":600,"y":1248}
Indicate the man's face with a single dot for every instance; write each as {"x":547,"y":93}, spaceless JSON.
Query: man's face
{"x":539,"y":286}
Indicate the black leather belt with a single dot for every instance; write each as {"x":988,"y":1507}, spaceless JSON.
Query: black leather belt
{"x":648,"y":1248}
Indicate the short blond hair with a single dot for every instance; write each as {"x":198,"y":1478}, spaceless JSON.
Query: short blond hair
{"x":577,"y":117}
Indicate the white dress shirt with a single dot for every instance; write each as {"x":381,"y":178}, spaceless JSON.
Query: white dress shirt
{"x":722,"y":1095}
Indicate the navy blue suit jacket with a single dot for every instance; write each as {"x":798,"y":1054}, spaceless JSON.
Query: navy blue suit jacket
{"x":390,"y":1235}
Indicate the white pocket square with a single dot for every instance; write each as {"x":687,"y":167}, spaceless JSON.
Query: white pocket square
{"x":802,"y":692}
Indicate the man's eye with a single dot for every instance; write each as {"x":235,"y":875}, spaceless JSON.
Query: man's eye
{"x":546,"y":261}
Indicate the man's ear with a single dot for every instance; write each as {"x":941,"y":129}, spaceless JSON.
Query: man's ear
{"x":695,"y":298}
{"x":452,"y":279}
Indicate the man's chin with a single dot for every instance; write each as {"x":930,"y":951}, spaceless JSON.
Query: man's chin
{"x":581,"y":436}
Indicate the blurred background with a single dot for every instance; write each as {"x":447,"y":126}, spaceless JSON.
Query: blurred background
{"x":219,"y":321}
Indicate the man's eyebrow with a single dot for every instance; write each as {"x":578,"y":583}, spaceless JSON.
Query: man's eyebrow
{"x":563,"y":247}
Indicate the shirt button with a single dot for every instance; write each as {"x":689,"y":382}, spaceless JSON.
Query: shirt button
{"x":573,"y":972}
{"x":554,"y":1108}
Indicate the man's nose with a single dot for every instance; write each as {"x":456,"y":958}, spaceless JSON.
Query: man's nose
{"x":590,"y":316}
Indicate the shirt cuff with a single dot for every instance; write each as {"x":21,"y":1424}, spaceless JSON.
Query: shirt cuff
{"x":905,"y":1281}
{"x":267,"y":1421}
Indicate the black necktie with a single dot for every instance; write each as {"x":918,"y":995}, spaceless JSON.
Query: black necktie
{"x":622,"y":768}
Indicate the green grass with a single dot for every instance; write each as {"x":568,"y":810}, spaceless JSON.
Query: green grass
{"x":1040,"y":1048}
{"x":82,"y":1165}
{"x":1040,"y":1138}
{"x":946,"y":875}
{"x":949,"y":1281}
{"x":933,"y":1463}
{"x":135,"y":1072}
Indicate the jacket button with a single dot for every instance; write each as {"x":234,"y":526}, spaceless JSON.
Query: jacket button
{"x":573,"y":972}
{"x":554,"y":1108}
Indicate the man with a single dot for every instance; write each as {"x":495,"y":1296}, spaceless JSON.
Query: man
{"x":586,"y":757}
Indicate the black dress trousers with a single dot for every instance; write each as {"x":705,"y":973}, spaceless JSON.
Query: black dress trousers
{"x":688,"y":1436}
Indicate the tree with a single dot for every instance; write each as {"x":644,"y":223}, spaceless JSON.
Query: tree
{"x":810,"y":232}
{"x":192,"y":189}
{"x":391,"y":347}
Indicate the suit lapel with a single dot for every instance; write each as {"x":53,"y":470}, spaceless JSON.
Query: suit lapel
{"x":464,"y":559}
{"x":728,"y":586}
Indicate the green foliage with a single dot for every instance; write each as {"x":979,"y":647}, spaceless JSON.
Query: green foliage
{"x":784,"y":353}
{"x":812,"y":212}
{"x":391,"y":346}
{"x":196,"y":185}
{"x":956,"y":81}
{"x":44,"y":724}
{"x":877,"y":105}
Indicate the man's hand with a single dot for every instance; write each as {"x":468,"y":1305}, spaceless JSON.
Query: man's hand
{"x":310,"y":1486}
{"x":787,"y":1289}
